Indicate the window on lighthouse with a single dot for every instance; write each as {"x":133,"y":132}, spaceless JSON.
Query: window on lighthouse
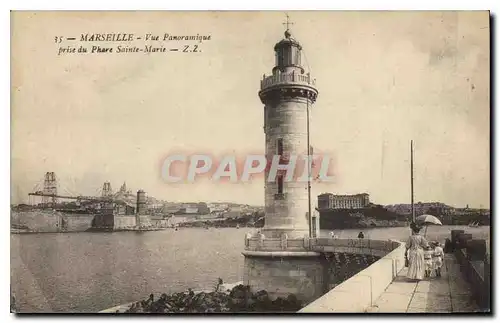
{"x":280,"y":57}
{"x":280,"y":184}
{"x":265,"y":116}
{"x":286,"y":57}
{"x":279,"y":146}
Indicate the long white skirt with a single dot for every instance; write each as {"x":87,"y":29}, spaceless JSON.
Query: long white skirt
{"x":416,"y":267}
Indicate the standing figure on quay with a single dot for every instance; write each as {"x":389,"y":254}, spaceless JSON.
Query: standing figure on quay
{"x":415,"y":253}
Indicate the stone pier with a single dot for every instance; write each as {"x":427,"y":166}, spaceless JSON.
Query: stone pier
{"x":309,"y":268}
{"x":446,"y":294}
{"x":463,"y":287}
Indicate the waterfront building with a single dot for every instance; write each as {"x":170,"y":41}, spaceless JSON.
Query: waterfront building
{"x":124,"y":209}
{"x":331,"y":201}
{"x":217,"y":208}
{"x":192,"y":209}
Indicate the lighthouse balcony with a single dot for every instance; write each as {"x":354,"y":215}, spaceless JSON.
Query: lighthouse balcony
{"x":287,"y":78}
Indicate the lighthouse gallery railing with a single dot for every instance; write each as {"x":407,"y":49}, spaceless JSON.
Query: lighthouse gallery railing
{"x":268,"y":81}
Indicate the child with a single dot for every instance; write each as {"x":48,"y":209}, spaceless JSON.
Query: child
{"x":437,"y":258}
{"x":428,"y":252}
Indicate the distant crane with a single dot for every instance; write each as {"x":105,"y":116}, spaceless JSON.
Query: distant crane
{"x":105,"y":201}
{"x":49,"y":188}
{"x":50,"y":194}
{"x":106,"y":189}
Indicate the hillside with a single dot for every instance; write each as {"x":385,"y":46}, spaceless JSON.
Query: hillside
{"x":373,"y":216}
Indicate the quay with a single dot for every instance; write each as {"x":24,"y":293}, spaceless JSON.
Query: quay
{"x":449,"y":293}
{"x":464,"y":286}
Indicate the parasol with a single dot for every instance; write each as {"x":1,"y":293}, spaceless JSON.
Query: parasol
{"x":427,"y":220}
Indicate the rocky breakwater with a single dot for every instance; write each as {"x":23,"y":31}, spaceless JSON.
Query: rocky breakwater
{"x":236,"y":300}
{"x":472,"y":255}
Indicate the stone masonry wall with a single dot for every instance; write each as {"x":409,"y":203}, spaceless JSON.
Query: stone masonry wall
{"x":288,"y":121}
{"x":122,"y":222}
{"x":281,"y":277}
{"x":78,"y":223}
{"x":38,"y":221}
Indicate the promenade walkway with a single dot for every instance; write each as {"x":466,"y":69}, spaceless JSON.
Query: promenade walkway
{"x":446,"y":294}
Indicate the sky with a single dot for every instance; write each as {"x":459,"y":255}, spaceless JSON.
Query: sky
{"x":384,"y":78}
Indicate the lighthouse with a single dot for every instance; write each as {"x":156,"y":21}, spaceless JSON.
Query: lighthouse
{"x":279,"y":258}
{"x":288,"y":95}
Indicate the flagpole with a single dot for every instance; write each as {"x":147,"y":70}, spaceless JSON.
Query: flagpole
{"x":309,"y":173}
{"x":411,"y":166}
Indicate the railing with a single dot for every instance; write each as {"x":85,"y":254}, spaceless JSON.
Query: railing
{"x":477,"y":273}
{"x":275,"y":244}
{"x":377,"y":248}
{"x":286,"y":78}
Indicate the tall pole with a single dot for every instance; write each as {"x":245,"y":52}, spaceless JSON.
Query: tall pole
{"x":411,"y":166}
{"x":309,"y":173}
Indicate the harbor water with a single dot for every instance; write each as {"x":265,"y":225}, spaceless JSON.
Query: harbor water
{"x":89,"y":272}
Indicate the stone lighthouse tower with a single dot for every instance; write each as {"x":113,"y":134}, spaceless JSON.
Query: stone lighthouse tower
{"x":279,"y":258}
{"x":287,"y":95}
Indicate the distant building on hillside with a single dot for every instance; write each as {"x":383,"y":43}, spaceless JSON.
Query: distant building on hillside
{"x":434,"y":208}
{"x":238,"y":211}
{"x":215,"y":208}
{"x":171,"y":209}
{"x":332,"y":201}
{"x":190,"y":208}
{"x":193,"y":208}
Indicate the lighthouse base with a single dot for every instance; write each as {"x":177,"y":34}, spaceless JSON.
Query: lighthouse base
{"x":293,"y":233}
{"x":281,"y":273}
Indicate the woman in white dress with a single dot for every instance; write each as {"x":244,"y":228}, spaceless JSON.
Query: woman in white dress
{"x":415,"y":253}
